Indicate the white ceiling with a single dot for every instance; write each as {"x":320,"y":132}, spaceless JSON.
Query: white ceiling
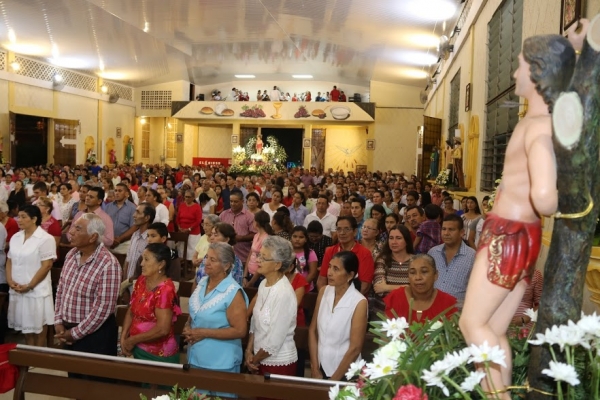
{"x":141,"y":42}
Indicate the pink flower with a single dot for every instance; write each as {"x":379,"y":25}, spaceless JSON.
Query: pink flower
{"x":410,"y":392}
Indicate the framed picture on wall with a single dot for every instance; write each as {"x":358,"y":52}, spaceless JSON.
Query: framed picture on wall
{"x":306,"y":143}
{"x":570,"y":12}
{"x":235,"y":139}
{"x":361,"y":169}
{"x":118,"y":133}
{"x":371,"y":144}
{"x":180,"y":138}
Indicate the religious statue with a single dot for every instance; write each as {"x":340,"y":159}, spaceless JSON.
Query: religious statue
{"x":433,"y":164}
{"x":129,"y":152}
{"x":91,"y":156}
{"x":457,"y":162}
{"x":511,"y":237}
{"x":112,"y":155}
{"x":448,"y":159}
{"x":259,"y":143}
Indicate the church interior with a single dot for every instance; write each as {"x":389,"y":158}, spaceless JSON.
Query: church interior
{"x":158,"y":82}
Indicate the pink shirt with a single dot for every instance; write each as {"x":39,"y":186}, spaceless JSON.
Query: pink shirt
{"x":243,"y":223}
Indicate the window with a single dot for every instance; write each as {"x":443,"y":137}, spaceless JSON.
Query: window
{"x":504,"y":46}
{"x":146,"y":140}
{"x":454,"y":104}
{"x":171,"y":129}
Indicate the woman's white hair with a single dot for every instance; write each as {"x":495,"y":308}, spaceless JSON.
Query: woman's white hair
{"x":225,"y":254}
{"x":281,"y":250}
{"x":95,"y":225}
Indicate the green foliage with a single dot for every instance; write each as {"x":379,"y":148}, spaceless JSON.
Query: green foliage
{"x":181,"y":394}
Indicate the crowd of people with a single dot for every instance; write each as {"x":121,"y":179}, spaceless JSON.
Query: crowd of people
{"x":276,"y":94}
{"x":370,"y":244}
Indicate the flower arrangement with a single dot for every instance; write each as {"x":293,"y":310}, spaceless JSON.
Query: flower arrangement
{"x":181,"y":394}
{"x":431,"y":361}
{"x":247,"y":162}
{"x":443,"y":178}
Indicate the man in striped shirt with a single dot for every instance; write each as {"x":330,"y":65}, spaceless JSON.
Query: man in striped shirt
{"x":87,"y":291}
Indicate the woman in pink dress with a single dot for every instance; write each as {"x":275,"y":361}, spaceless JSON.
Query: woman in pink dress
{"x":153,"y":309}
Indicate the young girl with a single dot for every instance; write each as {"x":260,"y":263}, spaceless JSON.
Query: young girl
{"x":263,"y":229}
{"x":306,"y":259}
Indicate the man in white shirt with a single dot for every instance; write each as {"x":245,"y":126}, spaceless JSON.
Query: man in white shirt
{"x":275,"y":94}
{"x":327,"y":220}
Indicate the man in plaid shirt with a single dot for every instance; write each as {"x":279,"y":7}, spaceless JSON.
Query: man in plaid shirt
{"x":87,"y":291}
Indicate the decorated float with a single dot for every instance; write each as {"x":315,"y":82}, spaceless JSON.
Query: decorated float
{"x":256,"y":158}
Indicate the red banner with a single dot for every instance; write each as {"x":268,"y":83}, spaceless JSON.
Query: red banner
{"x":210,"y":161}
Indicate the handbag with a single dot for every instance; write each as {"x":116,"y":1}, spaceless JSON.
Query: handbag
{"x":8,"y":373}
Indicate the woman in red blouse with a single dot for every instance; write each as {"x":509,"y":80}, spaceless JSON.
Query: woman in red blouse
{"x":289,"y":199}
{"x":154,"y":307}
{"x":220,"y":206}
{"x":189,"y":217}
{"x":420,"y":301}
{"x":49,"y":224}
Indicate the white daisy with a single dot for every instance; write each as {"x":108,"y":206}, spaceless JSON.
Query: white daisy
{"x":472,"y":380}
{"x":393,"y":349}
{"x":395,"y":327}
{"x":562,"y":372}
{"x":457,"y":358}
{"x":355,"y":369}
{"x":381,"y":366}
{"x":485,"y":353}
{"x":434,"y":378}
{"x":590,"y":325}
{"x":333,"y":392}
{"x":531,"y":313}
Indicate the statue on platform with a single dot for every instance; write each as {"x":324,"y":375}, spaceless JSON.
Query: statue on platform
{"x":434,"y":161}
{"x":91,"y":156}
{"x":457,"y":157}
{"x":259,"y":143}
{"x":112,"y":156}
{"x":511,"y":237}
{"x":129,"y":152}
{"x":448,"y":160}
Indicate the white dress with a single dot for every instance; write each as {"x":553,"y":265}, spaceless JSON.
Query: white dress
{"x":274,"y":322}
{"x":29,"y":312}
{"x":334,"y":327}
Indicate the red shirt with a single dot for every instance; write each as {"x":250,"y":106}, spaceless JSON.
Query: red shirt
{"x":366,"y":266}
{"x":189,"y":217}
{"x":11,"y":228}
{"x":335,"y":95}
{"x":287,"y":201}
{"x":398,"y":302}
{"x":298,"y":282}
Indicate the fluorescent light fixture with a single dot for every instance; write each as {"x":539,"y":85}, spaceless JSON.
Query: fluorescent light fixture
{"x":431,"y":10}
{"x":413,"y":73}
{"x":26,"y":48}
{"x":242,"y":76}
{"x":424,"y":40}
{"x":55,"y":53}
{"x":12,"y":36}
{"x":415,"y":57}
{"x":104,"y":89}
{"x":69,"y":62}
{"x":302,"y":76}
{"x":114,"y":75}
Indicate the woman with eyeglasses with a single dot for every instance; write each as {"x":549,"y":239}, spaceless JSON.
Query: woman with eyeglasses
{"x":202,"y":247}
{"x":271,"y":347}
{"x":369,"y":235}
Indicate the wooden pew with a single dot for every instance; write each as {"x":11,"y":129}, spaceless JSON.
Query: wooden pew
{"x":118,"y":368}
{"x":300,"y":334}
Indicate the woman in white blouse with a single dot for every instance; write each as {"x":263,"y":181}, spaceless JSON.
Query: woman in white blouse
{"x":271,"y":347}
{"x":162,"y":212}
{"x":337,"y":334}
{"x":30,"y":258}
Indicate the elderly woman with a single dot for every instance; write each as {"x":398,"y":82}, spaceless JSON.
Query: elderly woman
{"x":425,"y":301}
{"x":271,"y":347}
{"x":32,"y":252}
{"x":189,"y":216}
{"x":217,"y":320}
{"x":49,"y":224}
{"x":222,"y":233}
{"x":148,"y":327}
{"x":391,"y":266}
{"x":202,"y":247}
{"x":337,"y":334}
